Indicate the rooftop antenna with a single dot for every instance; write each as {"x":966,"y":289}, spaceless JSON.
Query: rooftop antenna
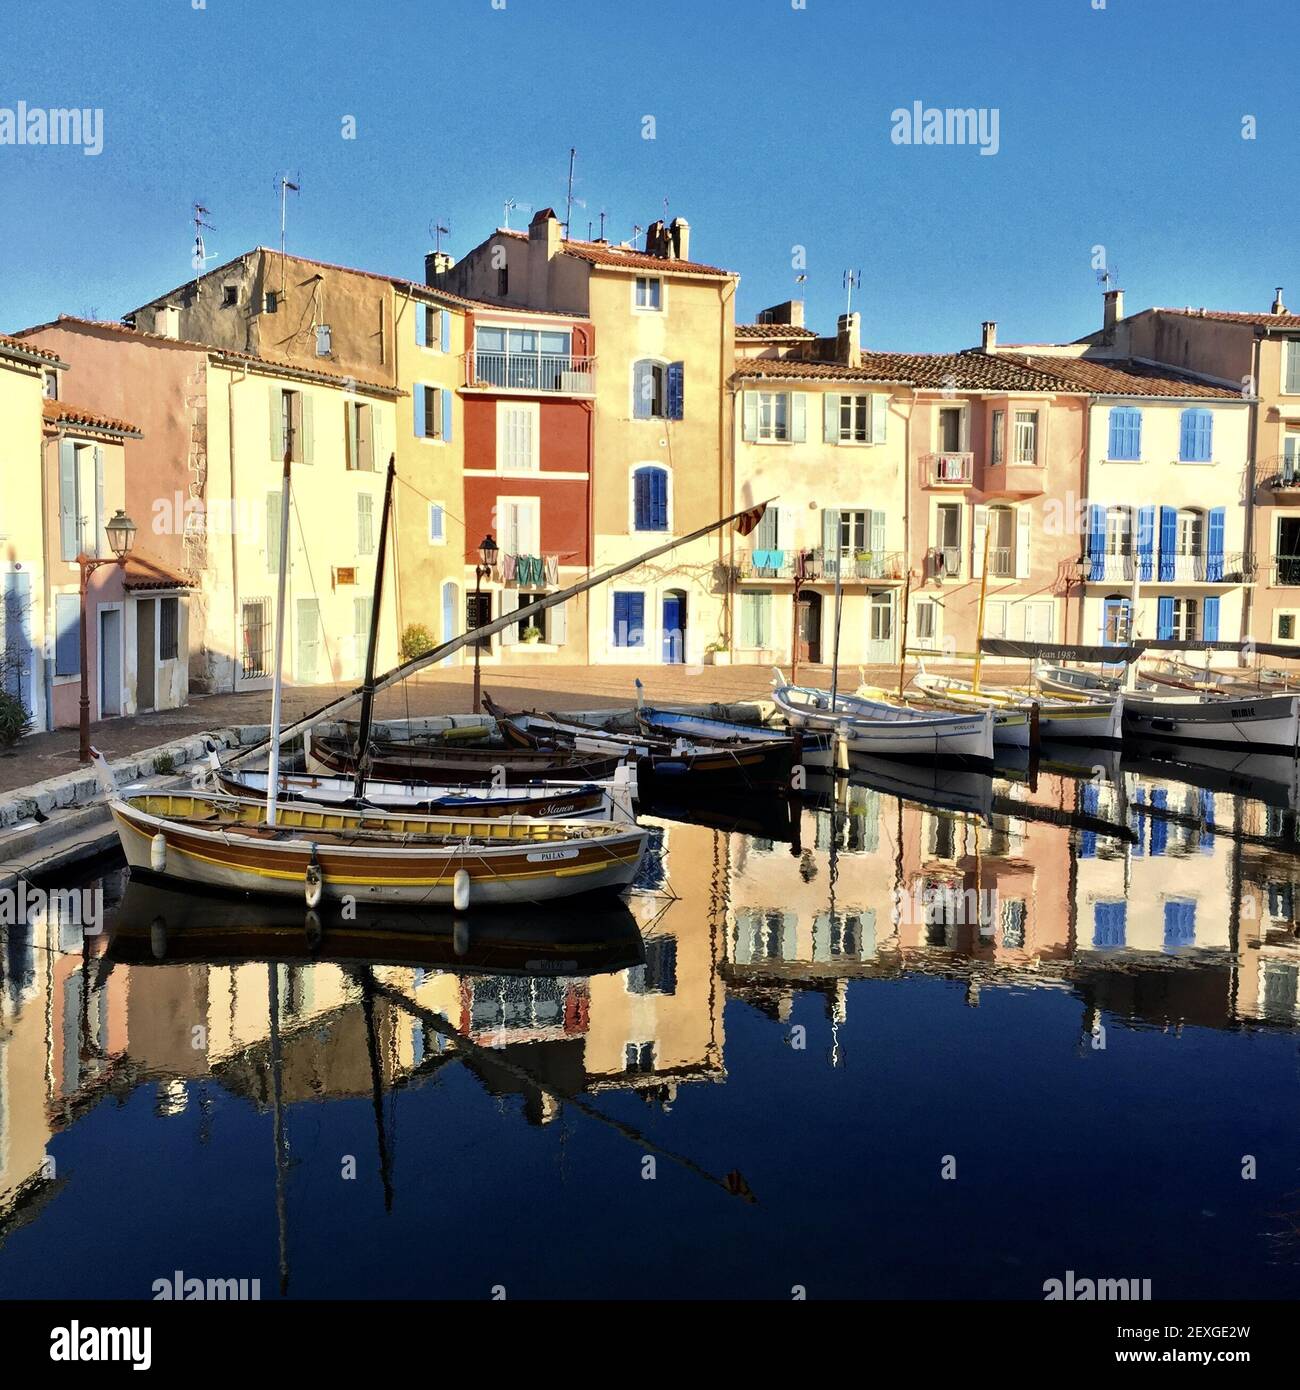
{"x":852,"y":281}
{"x":508,"y":207}
{"x":286,"y":185}
{"x":438,"y":230}
{"x":200,"y":257}
{"x":1108,"y":277}
{"x":568,"y":205}
{"x":602,"y":224}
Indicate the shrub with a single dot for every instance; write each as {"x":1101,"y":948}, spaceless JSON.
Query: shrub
{"x":14,"y":719}
{"x":532,"y":634}
{"x":416,"y":640}
{"x":164,"y":763}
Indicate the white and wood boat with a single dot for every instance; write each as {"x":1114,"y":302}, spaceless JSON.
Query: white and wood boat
{"x":877,"y":728}
{"x":1098,"y":722}
{"x":1070,"y":680}
{"x":317,"y":853}
{"x":1269,"y":723}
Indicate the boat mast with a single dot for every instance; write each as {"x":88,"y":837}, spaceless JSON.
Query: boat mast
{"x":368,"y":688}
{"x":1130,"y":669}
{"x":839,"y":598}
{"x":277,"y":679}
{"x":979,"y":626}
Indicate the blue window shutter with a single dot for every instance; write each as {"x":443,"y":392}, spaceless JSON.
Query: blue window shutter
{"x":1091,"y":802}
{"x":417,"y":397}
{"x":1196,"y":436}
{"x":620,"y":619}
{"x":67,"y":634}
{"x":1159,"y":826}
{"x":1116,"y":433}
{"x":637,"y":610}
{"x":1168,"y":541}
{"x":1187,"y":435}
{"x":69,"y":510}
{"x":1210,"y":620}
{"x":446,"y":415}
{"x":641,"y":498}
{"x":658,"y":500}
{"x":1146,"y":540}
{"x":1097,"y":542}
{"x":420,"y":321}
{"x":1125,"y":432}
{"x":1180,"y":924}
{"x":1109,"y":924}
{"x":444,"y":330}
{"x":1214,"y":547}
{"x":676,"y":389}
{"x":1165,"y":616}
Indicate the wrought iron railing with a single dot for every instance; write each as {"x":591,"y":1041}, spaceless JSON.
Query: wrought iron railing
{"x":558,"y":373}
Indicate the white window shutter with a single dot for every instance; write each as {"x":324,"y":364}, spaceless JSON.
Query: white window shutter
{"x":879,"y":415}
{"x":559,"y":633}
{"x":509,"y":602}
{"x":798,"y":416}
{"x":831,"y":419}
{"x":277,"y":425}
{"x":750,"y":415}
{"x":1022,"y":542}
{"x":977,"y":544}
{"x":101,"y":536}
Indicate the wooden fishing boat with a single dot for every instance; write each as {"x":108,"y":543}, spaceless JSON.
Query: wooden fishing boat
{"x":467,"y":767}
{"x":1012,"y":723}
{"x":1269,"y":723}
{"x":664,"y":768}
{"x":815,"y":749}
{"x":888,"y":730}
{"x":1097,"y":722}
{"x":1070,"y":680}
{"x":316,"y":853}
{"x":608,"y":800}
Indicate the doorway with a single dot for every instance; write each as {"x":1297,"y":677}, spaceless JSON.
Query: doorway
{"x":808,"y":628}
{"x":880,"y":639}
{"x":146,"y":654}
{"x":110,"y":662}
{"x":308,"y":672}
{"x":674,"y":614}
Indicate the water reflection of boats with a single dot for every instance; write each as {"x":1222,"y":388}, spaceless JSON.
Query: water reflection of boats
{"x":949,"y":789}
{"x":763,"y":818}
{"x":1268,"y":777}
{"x":157,"y":924}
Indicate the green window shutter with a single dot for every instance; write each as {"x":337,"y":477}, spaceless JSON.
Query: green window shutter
{"x":750,"y":405}
{"x":277,"y":425}
{"x":831,"y":419}
{"x":877,"y":520}
{"x":879,"y":416}
{"x":747,"y":620}
{"x":273,"y":532}
{"x":308,"y":444}
{"x":798,"y":417}
{"x":830,"y":532}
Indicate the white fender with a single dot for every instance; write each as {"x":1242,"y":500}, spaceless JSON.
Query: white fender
{"x":460,"y":890}
{"x":313,"y":883}
{"x":158,"y":853}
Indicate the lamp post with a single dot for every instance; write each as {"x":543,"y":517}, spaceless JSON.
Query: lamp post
{"x":121,"y":535}
{"x":488,"y":557}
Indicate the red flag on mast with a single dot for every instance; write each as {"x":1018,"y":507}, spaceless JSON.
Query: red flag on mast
{"x":747,"y":521}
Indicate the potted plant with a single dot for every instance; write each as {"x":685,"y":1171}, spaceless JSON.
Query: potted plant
{"x":532,"y":635}
{"x":717,"y":654}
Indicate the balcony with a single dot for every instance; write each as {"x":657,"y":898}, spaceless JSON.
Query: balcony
{"x":1281,"y":473}
{"x":1002,"y":563}
{"x":1286,"y":571}
{"x":532,"y":373}
{"x":813,"y":567}
{"x":865,"y":565}
{"x":946,"y":470}
{"x":1232,"y":568}
{"x":945,"y":562}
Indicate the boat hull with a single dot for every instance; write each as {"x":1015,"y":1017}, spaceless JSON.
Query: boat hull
{"x":815,"y":749}
{"x":469,"y":767}
{"x":410,"y":862}
{"x":1269,"y":724}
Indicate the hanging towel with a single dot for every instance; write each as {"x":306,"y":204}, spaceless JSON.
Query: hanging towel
{"x":508,"y":563}
{"x":552,"y":570}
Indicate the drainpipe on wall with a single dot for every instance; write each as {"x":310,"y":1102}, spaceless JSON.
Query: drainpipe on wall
{"x":47,"y":593}
{"x":1248,"y":590}
{"x":234,"y":528}
{"x":590,"y":408}
{"x":726,"y":457}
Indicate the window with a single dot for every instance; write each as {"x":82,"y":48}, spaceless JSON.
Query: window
{"x":291,"y":431}
{"x":1286,"y":627}
{"x":169,"y":611}
{"x":70,"y":518}
{"x":50,"y":385}
{"x":1002,"y":542}
{"x":1291,"y":368}
{"x":855,"y":420}
{"x":650,"y":499}
{"x":1115,"y":628}
{"x":639,"y":1057}
{"x":537,"y":620}
{"x":649,"y":293}
{"x":950,"y":429}
{"x":432,"y":328}
{"x":776,"y":417}
{"x":518,"y":440}
{"x":365,"y":524}
{"x":1026,"y":441}
{"x":1196,"y":436}
{"x":503,"y":282}
{"x":437,"y":524}
{"x":433,"y":412}
{"x":755,"y":618}
{"x":255,"y":629}
{"x":519,"y":526}
{"x":1119,"y":531}
{"x":229,"y":296}
{"x":1180,"y":923}
{"x":271,"y":302}
{"x":927,"y":622}
{"x":657,"y":390}
{"x":324,"y":340}
{"x":1109,"y":924}
{"x":1191,"y":532}
{"x":948,"y":537}
{"x":1040,"y":621}
{"x":1185,"y":610}
{"x":478,"y":611}
{"x":522,"y":359}
{"x":1125,"y":441}
{"x":360,"y":437}
{"x":67,"y":634}
{"x":998,"y":436}
{"x":773,"y":415}
{"x":629,"y":619}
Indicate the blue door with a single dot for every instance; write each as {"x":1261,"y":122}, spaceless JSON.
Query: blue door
{"x":674,"y":627}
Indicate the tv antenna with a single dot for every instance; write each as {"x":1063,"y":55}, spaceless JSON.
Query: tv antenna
{"x":852,"y":281}
{"x":438,"y":230}
{"x":568,"y":202}
{"x":602,"y":224}
{"x":286,"y":185}
{"x":200,"y":258}
{"x":508,"y":207}
{"x":1108,"y":277}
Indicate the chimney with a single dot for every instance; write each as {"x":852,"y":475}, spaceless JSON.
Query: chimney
{"x":791,"y":312}
{"x":545,"y":228}
{"x":436,"y":263}
{"x":656,"y":239}
{"x":167,"y":321}
{"x":1278,"y":306}
{"x":989,"y":336}
{"x":681,"y":238}
{"x":848,"y":340}
{"x":1112,"y":312}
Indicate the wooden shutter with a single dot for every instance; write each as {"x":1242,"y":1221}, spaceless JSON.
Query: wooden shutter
{"x":876,"y":542}
{"x":1214,"y":546}
{"x":831,"y":419}
{"x":1146,"y":539}
{"x":559,"y":621}
{"x":830,"y":541}
{"x":1165,"y":616}
{"x":1168,"y":542}
{"x":417,"y":400}
{"x":1022,"y":542}
{"x":509,"y":602}
{"x":277,"y":424}
{"x":421,"y":322}
{"x":977,"y":542}
{"x":798,"y":417}
{"x":676,"y":390}
{"x":437,"y":524}
{"x":69,"y":511}
{"x":879,"y":416}
{"x":641,"y":499}
{"x":643,"y":390}
{"x":365,"y":524}
{"x":444,"y":330}
{"x":101,"y":537}
{"x":273,"y":500}
{"x":1210,"y":620}
{"x":446,"y":415}
{"x":67,"y":634}
{"x":749,"y":427}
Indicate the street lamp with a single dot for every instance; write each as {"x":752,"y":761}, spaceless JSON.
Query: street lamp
{"x":120,"y":531}
{"x":488,"y":557}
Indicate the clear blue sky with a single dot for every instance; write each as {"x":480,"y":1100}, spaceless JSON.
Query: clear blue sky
{"x":1118,"y":126}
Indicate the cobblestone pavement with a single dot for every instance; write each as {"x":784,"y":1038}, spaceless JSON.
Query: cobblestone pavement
{"x":437,"y":692}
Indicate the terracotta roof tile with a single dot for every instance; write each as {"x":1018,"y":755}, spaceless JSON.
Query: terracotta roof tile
{"x":612,"y":257}
{"x":772,"y":330}
{"x":960,"y":371}
{"x":1284,"y":321}
{"x":26,"y":349}
{"x":64,"y":413}
{"x":144,"y":572}
{"x":1125,"y":378}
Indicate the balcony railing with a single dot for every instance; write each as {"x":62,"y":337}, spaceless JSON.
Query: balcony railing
{"x":554,"y":373}
{"x":1232,"y":568}
{"x":1286,"y":570}
{"x":813,"y":565}
{"x":1281,"y":473}
{"x":1002,"y":563}
{"x":945,"y":561}
{"x":862,"y":565}
{"x":947,"y":469}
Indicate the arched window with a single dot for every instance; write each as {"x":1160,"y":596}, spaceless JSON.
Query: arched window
{"x":651,"y":498}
